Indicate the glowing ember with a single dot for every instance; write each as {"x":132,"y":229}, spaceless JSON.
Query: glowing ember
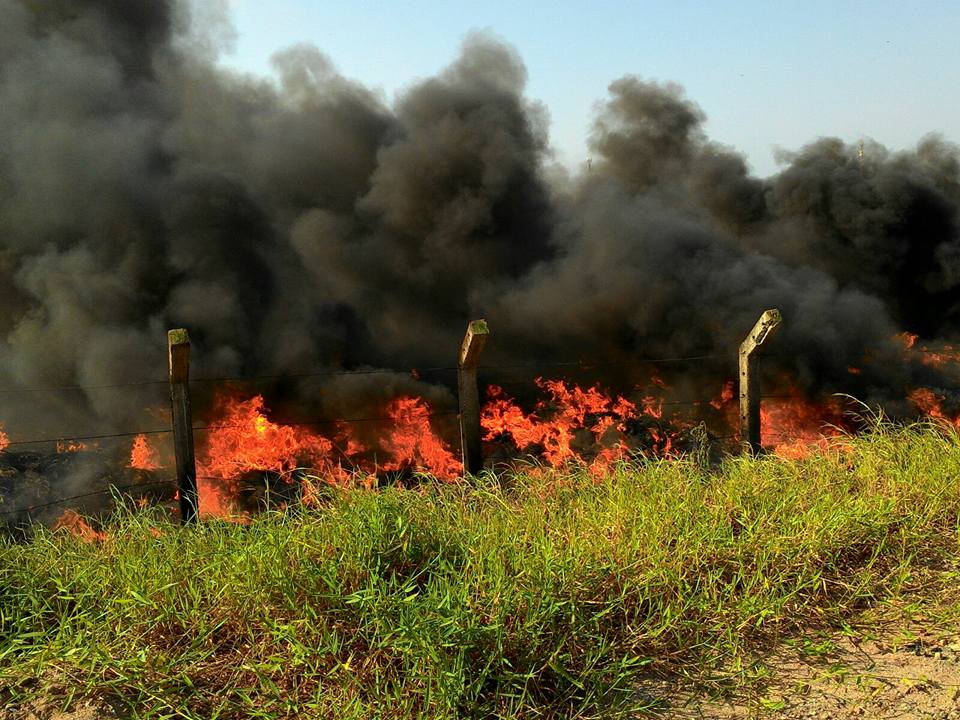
{"x":142,"y":456}
{"x":72,"y":522}
{"x":413,"y":444}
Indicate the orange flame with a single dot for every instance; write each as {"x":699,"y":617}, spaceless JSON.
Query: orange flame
{"x":4,"y":439}
{"x":555,"y":424}
{"x":70,"y":446}
{"x":72,"y":522}
{"x":794,"y":426}
{"x":930,"y":403}
{"x":908,"y":340}
{"x":929,"y":356}
{"x":243,"y":440}
{"x":413,"y":443}
{"x":939,"y":358}
{"x":726,"y":395}
{"x":142,"y":456}
{"x":502,"y":415}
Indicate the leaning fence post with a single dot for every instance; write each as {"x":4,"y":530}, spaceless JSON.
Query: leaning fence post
{"x":750,"y":380}
{"x":469,"y":393}
{"x":178,"y":346}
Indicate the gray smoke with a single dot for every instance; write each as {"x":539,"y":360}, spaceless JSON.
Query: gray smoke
{"x":304,"y":222}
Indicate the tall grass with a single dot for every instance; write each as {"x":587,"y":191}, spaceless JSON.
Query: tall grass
{"x":533,"y":594}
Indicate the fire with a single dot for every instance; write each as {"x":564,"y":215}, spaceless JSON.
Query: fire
{"x":142,"y":456}
{"x":502,"y":415}
{"x":4,"y":439}
{"x":70,"y":446}
{"x":72,"y":522}
{"x":726,"y":395}
{"x":413,"y":443}
{"x":929,"y":356}
{"x":652,"y":406}
{"x":794,"y":426}
{"x":930,"y":403}
{"x":555,"y":424}
{"x":908,"y":340}
{"x":244,"y":440}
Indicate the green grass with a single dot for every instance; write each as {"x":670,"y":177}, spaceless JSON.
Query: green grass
{"x":534,"y":594}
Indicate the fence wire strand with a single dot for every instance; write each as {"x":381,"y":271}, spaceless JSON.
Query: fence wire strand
{"x":586,"y":364}
{"x":112,"y":488}
{"x":216,"y":426}
{"x":416,"y":372}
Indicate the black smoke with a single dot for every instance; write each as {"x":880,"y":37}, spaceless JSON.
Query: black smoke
{"x":304,"y":222}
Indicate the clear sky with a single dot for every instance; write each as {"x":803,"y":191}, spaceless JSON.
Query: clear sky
{"x":768,"y":73}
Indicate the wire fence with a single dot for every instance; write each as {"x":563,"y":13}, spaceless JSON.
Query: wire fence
{"x":586,"y":364}
{"x":415,"y":372}
{"x":528,"y":382}
{"x":32,"y":508}
{"x":721,"y":365}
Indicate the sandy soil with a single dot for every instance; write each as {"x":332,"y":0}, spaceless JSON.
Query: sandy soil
{"x":906,"y":676}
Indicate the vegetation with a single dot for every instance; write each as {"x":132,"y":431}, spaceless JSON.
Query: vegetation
{"x":526,"y":594}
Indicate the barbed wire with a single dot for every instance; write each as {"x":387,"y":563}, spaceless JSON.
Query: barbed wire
{"x":324,"y":421}
{"x":586,"y":364}
{"x":105,"y":436}
{"x":60,"y":501}
{"x":216,"y":426}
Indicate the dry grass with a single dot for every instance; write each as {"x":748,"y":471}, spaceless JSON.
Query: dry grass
{"x":520,"y":596}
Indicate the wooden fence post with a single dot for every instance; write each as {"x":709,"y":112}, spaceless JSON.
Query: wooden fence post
{"x":473,"y":342}
{"x":178,"y":347}
{"x":750,"y":380}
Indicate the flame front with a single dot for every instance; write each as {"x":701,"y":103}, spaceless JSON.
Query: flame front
{"x":793,"y":426}
{"x":413,"y":444}
{"x":567,"y":424}
{"x":555,"y":424}
{"x":244,"y":440}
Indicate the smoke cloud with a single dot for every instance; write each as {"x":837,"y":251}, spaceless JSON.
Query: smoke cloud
{"x":304,"y":222}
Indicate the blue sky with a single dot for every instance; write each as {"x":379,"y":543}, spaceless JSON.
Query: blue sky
{"x":768,"y":74}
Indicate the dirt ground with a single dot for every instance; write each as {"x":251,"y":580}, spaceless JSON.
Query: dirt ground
{"x":907,"y":675}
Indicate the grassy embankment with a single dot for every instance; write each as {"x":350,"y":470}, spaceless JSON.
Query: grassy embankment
{"x":521,"y":596}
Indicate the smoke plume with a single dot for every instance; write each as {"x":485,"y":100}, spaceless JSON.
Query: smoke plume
{"x":304,"y":222}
